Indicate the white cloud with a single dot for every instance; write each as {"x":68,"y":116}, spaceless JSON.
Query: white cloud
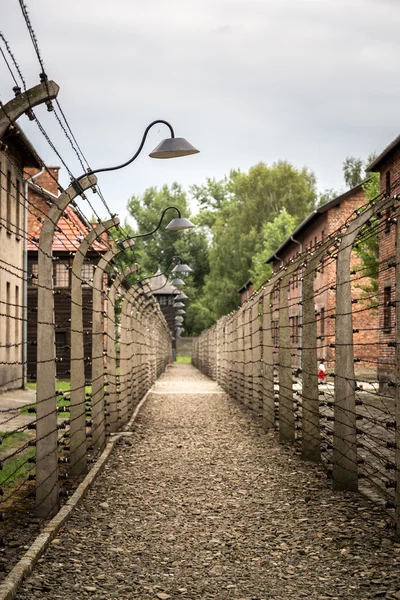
{"x":245,"y":80}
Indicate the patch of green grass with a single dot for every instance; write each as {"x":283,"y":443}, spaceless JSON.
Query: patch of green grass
{"x":18,"y":466}
{"x":13,"y":439}
{"x":63,"y":385}
{"x":184,"y":359}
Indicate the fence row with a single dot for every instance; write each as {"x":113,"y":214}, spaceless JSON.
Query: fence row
{"x":93,"y":342}
{"x":319,"y":306}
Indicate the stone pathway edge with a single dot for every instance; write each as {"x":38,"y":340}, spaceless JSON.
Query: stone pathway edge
{"x":10,"y":585}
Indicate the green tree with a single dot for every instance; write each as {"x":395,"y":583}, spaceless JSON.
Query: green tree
{"x":274,"y":233}
{"x":353,"y":171}
{"x":157,"y":251}
{"x":326,"y":196}
{"x":245,"y":202}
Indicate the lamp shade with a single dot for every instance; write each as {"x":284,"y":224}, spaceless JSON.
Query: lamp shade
{"x":177,"y":282}
{"x":181,"y":312}
{"x":179,"y":319}
{"x":178,"y":305}
{"x":173,"y":148}
{"x":179,"y":224}
{"x":181,"y":268}
{"x":181,"y":296}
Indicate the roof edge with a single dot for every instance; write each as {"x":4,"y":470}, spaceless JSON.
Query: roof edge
{"x":316,"y":213}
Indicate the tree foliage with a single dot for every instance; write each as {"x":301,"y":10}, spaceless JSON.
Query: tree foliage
{"x":157,"y":251}
{"x":236,"y":209}
{"x":274,"y":233}
{"x":353,"y":171}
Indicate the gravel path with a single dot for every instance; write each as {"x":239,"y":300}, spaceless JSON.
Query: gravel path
{"x":201,"y":503}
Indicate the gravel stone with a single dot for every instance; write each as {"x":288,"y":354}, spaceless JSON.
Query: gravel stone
{"x":201,"y":503}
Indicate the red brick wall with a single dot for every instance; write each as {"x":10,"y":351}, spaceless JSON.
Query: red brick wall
{"x":387,"y":252}
{"x":47,"y":180}
{"x":325,"y":298}
{"x":246,"y":294}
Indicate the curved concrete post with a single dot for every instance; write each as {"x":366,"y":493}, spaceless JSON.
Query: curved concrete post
{"x":46,"y":403}
{"x":286,"y":401}
{"x":397,"y":415}
{"x":311,"y":438}
{"x":345,"y":469}
{"x":112,"y":411}
{"x":124,"y":362}
{"x":268,"y":361}
{"x":256,"y":345}
{"x":78,"y":449}
{"x":19,"y":105}
{"x":98,"y":416}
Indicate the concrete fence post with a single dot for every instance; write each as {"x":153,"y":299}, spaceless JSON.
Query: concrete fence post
{"x":15,"y":108}
{"x":268,"y":401}
{"x":397,"y":416}
{"x":311,"y":438}
{"x":345,"y":467}
{"x":46,"y":403}
{"x":98,"y":416}
{"x":286,"y":404}
{"x":129,"y":353}
{"x":247,"y":381}
{"x":112,"y":419}
{"x":78,"y":447}
{"x":256,"y":341}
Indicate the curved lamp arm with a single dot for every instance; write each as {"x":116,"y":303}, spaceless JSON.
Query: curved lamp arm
{"x":128,"y":162}
{"x":141,"y":235}
{"x":140,"y":281}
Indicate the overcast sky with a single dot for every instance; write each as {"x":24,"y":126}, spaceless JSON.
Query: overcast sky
{"x":309,"y":81}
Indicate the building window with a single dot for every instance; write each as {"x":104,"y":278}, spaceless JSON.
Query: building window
{"x":162,"y":300}
{"x":16,"y":317}
{"x":322,"y":321}
{"x":18,"y":211}
{"x":387,"y":183}
{"x":9,"y":199}
{"x":387,"y":309}
{"x":1,"y":197}
{"x":33,"y":270}
{"x":87,"y":273}
{"x":8,"y":313}
{"x":61,"y":343}
{"x":61,"y":274}
{"x":292,"y":329}
{"x":297,"y":329}
{"x":274,"y":332}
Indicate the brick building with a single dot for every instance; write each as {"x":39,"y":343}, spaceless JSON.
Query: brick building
{"x":387,"y":164}
{"x":246,"y":291}
{"x":19,"y":155}
{"x":321,"y":223}
{"x":42,"y":191}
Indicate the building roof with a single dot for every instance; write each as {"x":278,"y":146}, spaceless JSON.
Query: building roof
{"x":73,"y":228}
{"x":392,"y":146}
{"x":16,"y":136}
{"x":245,"y":286}
{"x":158,"y":285}
{"x":315,"y":215}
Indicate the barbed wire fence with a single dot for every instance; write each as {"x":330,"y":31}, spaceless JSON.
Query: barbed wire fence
{"x":320,"y":305}
{"x":59,"y":315}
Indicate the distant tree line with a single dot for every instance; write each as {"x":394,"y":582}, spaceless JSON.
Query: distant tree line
{"x":241,"y":220}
